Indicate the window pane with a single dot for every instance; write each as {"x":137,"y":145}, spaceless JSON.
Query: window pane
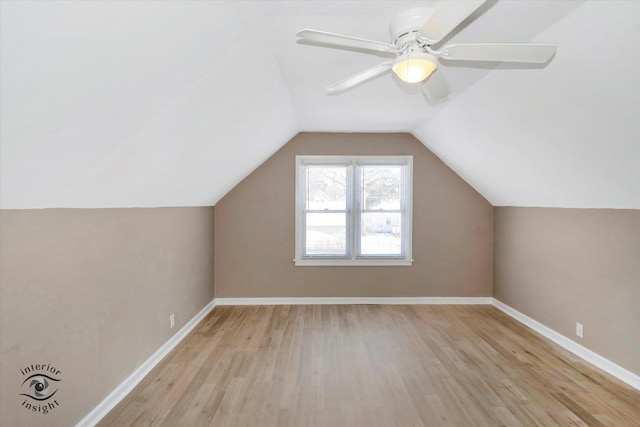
{"x":381,"y":186}
{"x":381,"y":234}
{"x":326,"y":187}
{"x":326,"y":234}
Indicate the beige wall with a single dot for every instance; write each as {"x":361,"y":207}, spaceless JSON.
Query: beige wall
{"x":562,"y":266}
{"x":452,"y":225}
{"x":90,"y":292}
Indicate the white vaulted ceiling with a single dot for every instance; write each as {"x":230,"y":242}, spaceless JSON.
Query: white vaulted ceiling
{"x":144,"y":103}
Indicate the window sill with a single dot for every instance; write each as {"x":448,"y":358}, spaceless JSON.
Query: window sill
{"x":382,"y":262}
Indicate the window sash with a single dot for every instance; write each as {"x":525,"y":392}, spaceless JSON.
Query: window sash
{"x":359,"y":203}
{"x":348,"y":211}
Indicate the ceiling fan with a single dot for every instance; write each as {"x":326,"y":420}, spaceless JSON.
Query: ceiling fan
{"x":414,"y":32}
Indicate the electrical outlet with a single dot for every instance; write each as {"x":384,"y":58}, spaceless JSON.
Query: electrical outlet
{"x":172,"y":321}
{"x":579,"y":329}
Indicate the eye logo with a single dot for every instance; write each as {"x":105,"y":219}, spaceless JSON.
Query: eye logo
{"x":40,"y":387}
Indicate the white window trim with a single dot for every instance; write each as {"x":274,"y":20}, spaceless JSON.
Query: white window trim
{"x":353,"y":260}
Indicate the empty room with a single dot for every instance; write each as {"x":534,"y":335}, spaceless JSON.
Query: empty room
{"x":320,"y":213}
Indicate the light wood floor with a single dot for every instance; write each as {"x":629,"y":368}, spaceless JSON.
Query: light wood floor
{"x":367,"y":365}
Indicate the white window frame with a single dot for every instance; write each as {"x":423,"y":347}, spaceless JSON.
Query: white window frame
{"x":353,"y":210}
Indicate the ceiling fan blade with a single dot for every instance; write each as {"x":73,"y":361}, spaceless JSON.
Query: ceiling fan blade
{"x":360,"y":77}
{"x":505,"y":52}
{"x":436,"y":86}
{"x":447,"y":16}
{"x":346,"y":41}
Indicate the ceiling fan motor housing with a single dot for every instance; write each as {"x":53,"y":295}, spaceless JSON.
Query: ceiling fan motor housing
{"x":405,"y":26}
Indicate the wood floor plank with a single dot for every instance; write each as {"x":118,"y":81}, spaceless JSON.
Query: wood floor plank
{"x":372,"y":365}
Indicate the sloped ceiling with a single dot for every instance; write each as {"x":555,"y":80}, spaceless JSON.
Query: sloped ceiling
{"x":567,"y":135}
{"x":142,"y":103}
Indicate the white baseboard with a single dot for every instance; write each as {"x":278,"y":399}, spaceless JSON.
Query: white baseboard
{"x":584,"y":353}
{"x":127,"y":385}
{"x":353,"y":300}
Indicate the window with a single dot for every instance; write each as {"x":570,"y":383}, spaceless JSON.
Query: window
{"x":353,"y":210}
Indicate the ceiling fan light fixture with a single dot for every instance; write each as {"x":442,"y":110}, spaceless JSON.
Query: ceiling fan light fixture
{"x":414,"y":67}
